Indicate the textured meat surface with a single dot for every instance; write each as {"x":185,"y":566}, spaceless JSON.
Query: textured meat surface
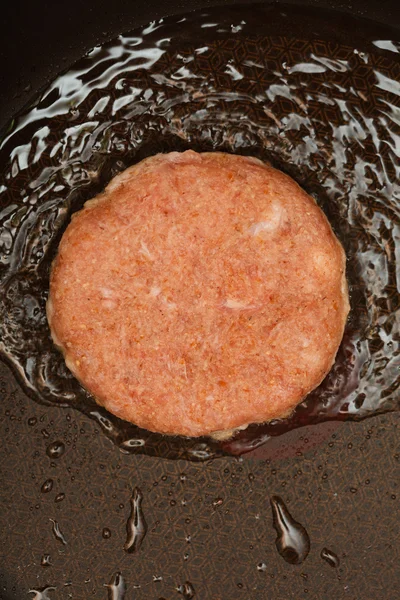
{"x":199,"y":293}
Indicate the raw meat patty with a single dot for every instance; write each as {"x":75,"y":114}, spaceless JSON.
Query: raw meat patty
{"x":199,"y":293}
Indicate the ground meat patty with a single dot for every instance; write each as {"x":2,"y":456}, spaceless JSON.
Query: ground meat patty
{"x":199,"y":293}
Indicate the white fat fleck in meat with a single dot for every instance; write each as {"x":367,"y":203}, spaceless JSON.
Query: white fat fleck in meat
{"x":238,"y":305}
{"x":188,"y":157}
{"x":110,"y":304}
{"x":305,"y":342}
{"x":155,"y":291}
{"x":168,"y":304}
{"x":273,"y":221}
{"x":145,"y":251}
{"x":107,"y":300}
{"x":106,"y":292}
{"x":323,"y":263}
{"x":183,"y":366}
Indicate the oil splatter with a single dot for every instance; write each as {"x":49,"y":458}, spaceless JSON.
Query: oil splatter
{"x":116,"y":587}
{"x":55,"y":449}
{"x":330,"y":557}
{"x":57,"y":532}
{"x":136,"y":526}
{"x":42,"y":593}
{"x":45,"y":560}
{"x":292,"y":542}
{"x":47,"y":486}
{"x":186,"y":590}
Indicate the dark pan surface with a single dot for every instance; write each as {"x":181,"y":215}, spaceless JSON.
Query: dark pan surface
{"x":39,"y":39}
{"x":344,"y":491}
{"x":208,"y":524}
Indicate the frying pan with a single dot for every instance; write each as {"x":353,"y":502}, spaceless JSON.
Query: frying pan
{"x":40,"y":39}
{"x":209,"y":525}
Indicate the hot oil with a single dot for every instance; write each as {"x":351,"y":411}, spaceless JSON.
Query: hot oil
{"x":116,"y":587}
{"x":285,"y":87}
{"x":136,"y":526}
{"x":292,"y":542}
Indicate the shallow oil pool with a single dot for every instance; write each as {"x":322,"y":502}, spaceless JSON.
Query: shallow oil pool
{"x":246,"y":80}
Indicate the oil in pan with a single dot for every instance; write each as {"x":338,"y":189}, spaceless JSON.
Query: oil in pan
{"x":236,"y":80}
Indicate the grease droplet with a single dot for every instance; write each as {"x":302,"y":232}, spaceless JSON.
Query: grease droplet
{"x":42,"y":593}
{"x":32,"y":421}
{"x":47,"y":486}
{"x":186,"y":590}
{"x":106,"y":533}
{"x":116,"y":587}
{"x":292,"y":542}
{"x":59,"y":497}
{"x":45,"y":561}
{"x":136,"y":526}
{"x":57,"y":532}
{"x":330,"y":557}
{"x":55,"y":449}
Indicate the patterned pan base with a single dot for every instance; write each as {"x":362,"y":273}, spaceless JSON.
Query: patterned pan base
{"x":318,"y":95}
{"x":249,"y":80}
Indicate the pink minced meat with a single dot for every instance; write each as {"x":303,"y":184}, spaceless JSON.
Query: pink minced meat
{"x":199,"y":293}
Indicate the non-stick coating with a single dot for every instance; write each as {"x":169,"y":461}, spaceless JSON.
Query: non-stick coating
{"x":39,"y":39}
{"x":208,"y":523}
